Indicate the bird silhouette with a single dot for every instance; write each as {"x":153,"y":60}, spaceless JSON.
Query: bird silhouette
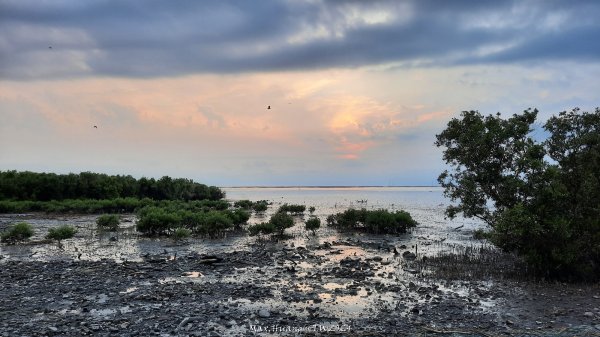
{"x":95,"y":127}
{"x":49,"y":47}
{"x":269,"y":107}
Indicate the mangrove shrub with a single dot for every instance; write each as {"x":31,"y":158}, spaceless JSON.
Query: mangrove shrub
{"x":17,"y":232}
{"x":278,"y":223}
{"x":375,"y":221}
{"x":294,"y":209}
{"x":540,"y":197}
{"x":108,"y":221}
{"x":312,"y":224}
{"x":61,"y":233}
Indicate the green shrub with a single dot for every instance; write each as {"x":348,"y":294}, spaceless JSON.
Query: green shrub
{"x":117,"y":205}
{"x":61,"y":232}
{"x":312,"y":224}
{"x":191,"y":219}
{"x":480,"y":234}
{"x":383,"y":221}
{"x":311,"y":209}
{"x":376,"y":221}
{"x":245,"y":204}
{"x":181,"y":233}
{"x":18,"y":232}
{"x":277,"y":223}
{"x":262,"y":228}
{"x":156,"y":221}
{"x":167,"y":217}
{"x":220,"y":205}
{"x":214,"y":224}
{"x":295,"y":209}
{"x":86,"y":206}
{"x":260,"y":206}
{"x":108,"y":221}
{"x":281,"y":221}
{"x":349,"y":219}
{"x":238,"y":216}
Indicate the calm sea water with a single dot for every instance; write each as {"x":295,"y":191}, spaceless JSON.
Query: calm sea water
{"x":425,"y":204}
{"x":374,"y":197}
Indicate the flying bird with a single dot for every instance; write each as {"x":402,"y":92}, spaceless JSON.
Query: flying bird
{"x":269,"y":107}
{"x":95,"y":127}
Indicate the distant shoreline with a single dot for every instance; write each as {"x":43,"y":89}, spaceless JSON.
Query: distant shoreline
{"x":331,"y":186}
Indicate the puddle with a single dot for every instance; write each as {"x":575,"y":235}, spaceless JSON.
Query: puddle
{"x":333,"y":286}
{"x":102,"y":298}
{"x":102,"y":313}
{"x":193,"y":274}
{"x":128,"y":290}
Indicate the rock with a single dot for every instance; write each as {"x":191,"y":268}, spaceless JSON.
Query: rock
{"x":264,"y":313}
{"x":409,"y":255}
{"x":53,"y":329}
{"x":588,"y":314}
{"x":183,"y":322}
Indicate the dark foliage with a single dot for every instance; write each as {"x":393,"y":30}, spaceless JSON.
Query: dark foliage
{"x":278,"y":223}
{"x":165,"y":219}
{"x":312,"y":224}
{"x":245,"y":204}
{"x":262,"y":228}
{"x":260,"y":206}
{"x":86,"y":185}
{"x":376,"y":221}
{"x":17,"y":232}
{"x":119,"y":205}
{"x":541,"y":199}
{"x":108,"y":221}
{"x":61,"y":233}
{"x":294,"y":209}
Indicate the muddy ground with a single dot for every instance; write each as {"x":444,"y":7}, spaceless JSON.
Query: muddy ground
{"x":339,"y":285}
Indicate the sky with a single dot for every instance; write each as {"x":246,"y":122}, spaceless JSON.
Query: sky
{"x":357,"y":90}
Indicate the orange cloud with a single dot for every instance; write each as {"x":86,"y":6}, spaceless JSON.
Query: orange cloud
{"x":329,"y":114}
{"x":348,"y":156}
{"x":435,"y":115}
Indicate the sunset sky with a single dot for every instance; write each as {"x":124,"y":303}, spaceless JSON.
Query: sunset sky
{"x":357,"y":89}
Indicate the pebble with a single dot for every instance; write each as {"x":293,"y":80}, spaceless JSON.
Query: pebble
{"x":264,"y":313}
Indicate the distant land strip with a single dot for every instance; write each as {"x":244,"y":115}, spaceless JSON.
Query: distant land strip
{"x":332,"y":186}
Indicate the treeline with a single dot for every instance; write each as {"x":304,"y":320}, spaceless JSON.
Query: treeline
{"x":33,"y":186}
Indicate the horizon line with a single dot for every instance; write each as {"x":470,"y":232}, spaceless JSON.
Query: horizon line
{"x":324,"y":186}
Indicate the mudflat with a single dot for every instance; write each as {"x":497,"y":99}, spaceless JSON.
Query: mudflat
{"x":353,"y":286}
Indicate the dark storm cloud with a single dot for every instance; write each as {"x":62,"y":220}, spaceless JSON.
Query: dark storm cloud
{"x":163,"y":38}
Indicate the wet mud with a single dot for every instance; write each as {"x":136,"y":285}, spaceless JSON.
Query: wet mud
{"x":329,"y":284}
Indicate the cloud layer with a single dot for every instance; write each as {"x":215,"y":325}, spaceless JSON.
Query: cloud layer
{"x":357,"y":89}
{"x":154,"y":38}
